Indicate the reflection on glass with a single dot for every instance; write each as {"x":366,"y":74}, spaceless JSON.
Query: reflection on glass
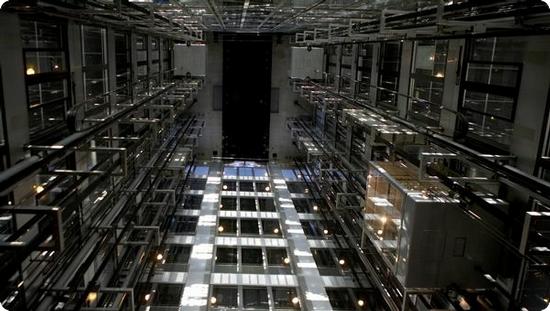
{"x":427,"y":80}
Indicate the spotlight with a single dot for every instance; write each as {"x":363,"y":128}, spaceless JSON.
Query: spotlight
{"x":220,"y":229}
{"x":159,"y":257}
{"x":360,"y":302}
{"x":325,"y":231}
{"x":92,"y":296}
{"x":342,"y":262}
{"x":286,"y":260}
{"x":315,"y":208}
{"x":213,"y":300}
{"x":224,"y":187}
{"x":30,"y":71}
{"x":295,"y":300}
{"x":276,"y":230}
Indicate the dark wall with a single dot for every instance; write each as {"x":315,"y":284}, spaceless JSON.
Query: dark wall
{"x":246,"y":95}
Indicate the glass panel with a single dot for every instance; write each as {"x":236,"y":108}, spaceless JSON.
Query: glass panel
{"x":282,"y":297}
{"x":301,"y":205}
{"x":38,"y":35}
{"x":178,"y":254}
{"x":246,"y":186}
{"x":323,"y":258}
{"x":226,"y":255}
{"x":260,"y":172}
{"x":225,"y":297}
{"x":499,"y":106}
{"x":168,"y":295}
{"x":93,"y":46}
{"x":271,"y":227}
{"x":192,"y":202}
{"x":494,"y":74}
{"x":44,"y":62}
{"x":255,"y":298}
{"x":43,"y":93}
{"x":245,"y":171}
{"x":267,"y":205}
{"x":252,"y":256}
{"x":501,"y":49}
{"x":263,"y":187}
{"x":248,"y":204}
{"x":229,"y":186}
{"x":229,"y":172}
{"x":276,"y":256}
{"x":227,"y":226}
{"x":183,"y":224}
{"x":250,"y":226}
{"x":228,"y":204}
{"x":340,"y":299}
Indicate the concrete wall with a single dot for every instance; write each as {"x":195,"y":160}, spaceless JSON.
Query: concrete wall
{"x":211,"y":139}
{"x":279,"y":136}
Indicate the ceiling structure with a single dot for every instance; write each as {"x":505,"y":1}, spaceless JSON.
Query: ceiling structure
{"x":274,"y":16}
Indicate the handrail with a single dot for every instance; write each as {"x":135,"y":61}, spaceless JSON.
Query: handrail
{"x":10,"y":177}
{"x":511,"y":173}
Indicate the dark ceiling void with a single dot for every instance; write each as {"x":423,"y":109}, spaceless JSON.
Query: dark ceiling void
{"x":246,"y":95}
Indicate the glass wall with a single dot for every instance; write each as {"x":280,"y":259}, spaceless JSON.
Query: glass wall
{"x":46,"y":76}
{"x":123,"y":66}
{"x":388,"y":74}
{"x":427,"y":80}
{"x":364,"y":69}
{"x":490,"y":88}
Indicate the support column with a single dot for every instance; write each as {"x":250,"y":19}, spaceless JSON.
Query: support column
{"x":314,"y":295}
{"x":404,"y":77}
{"x":195,"y":293}
{"x":451,"y":86}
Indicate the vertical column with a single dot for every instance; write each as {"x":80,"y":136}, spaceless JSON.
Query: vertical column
{"x":451,"y":86}
{"x":74,"y":44}
{"x":133,"y":65}
{"x":354,"y":60}
{"x":404,"y":77}
{"x":13,"y":85}
{"x":314,"y":295}
{"x":111,"y":65}
{"x":373,"y":91}
{"x":195,"y":293}
{"x":338,"y":72}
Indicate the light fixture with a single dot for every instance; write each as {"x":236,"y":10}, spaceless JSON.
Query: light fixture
{"x":439,"y":75}
{"x":360,"y":302}
{"x":38,"y":189}
{"x":213,"y":300}
{"x":159,"y":257}
{"x":295,"y":300}
{"x":92,"y":296}
{"x":379,"y":232}
{"x":286,"y":260}
{"x":342,"y":262}
{"x":220,"y":229}
{"x":325,"y":231}
{"x":147,"y":297}
{"x":383,"y":219}
{"x":267,"y":188}
{"x":30,"y":71}
{"x":224,"y":187}
{"x":315,"y":207}
{"x":221,"y":205}
{"x":276,"y":230}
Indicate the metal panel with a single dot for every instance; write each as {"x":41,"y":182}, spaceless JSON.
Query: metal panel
{"x":274,"y":100}
{"x":217,"y":98}
{"x":190,"y":59}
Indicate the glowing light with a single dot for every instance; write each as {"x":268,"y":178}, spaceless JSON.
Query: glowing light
{"x":325,"y":231}
{"x":213,"y":300}
{"x":379,"y":232}
{"x":92,"y":296}
{"x":159,"y":257}
{"x":439,"y":75}
{"x":342,"y":262}
{"x":295,"y":300}
{"x":56,"y":66}
{"x":383,"y":219}
{"x":220,"y":229}
{"x":276,"y":230}
{"x":224,"y":187}
{"x":147,"y":297}
{"x":286,"y":260}
{"x":315,"y":207}
{"x":38,"y":189}
{"x":221,"y":205}
{"x":267,"y":188}
{"x":360,"y":302}
{"x":30,"y":71}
